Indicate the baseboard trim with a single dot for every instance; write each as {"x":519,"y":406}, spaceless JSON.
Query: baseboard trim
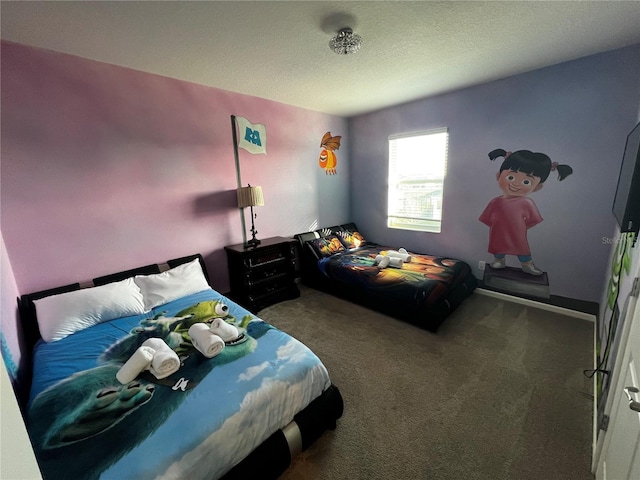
{"x":541,"y":305}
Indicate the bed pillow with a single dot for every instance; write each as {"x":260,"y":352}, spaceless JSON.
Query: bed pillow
{"x":61,"y":315}
{"x":326,"y":246}
{"x":160,"y":288}
{"x":352,"y":239}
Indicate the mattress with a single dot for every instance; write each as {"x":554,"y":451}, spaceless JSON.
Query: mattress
{"x":197,"y":423}
{"x":423,"y":282}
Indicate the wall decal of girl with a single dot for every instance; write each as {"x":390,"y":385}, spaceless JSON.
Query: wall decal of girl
{"x":513,"y":213}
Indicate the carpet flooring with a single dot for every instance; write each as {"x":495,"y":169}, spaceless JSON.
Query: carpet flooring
{"x":497,"y":393}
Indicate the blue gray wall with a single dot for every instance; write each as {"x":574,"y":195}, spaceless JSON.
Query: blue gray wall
{"x":578,"y":113}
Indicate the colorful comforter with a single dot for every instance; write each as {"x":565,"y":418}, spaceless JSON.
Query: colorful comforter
{"x":422,"y":282}
{"x":197,"y":423}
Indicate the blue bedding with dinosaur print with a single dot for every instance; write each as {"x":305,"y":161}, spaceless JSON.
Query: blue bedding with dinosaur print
{"x":197,"y":423}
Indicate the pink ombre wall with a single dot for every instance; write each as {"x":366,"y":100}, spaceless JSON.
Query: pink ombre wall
{"x":106,"y":168}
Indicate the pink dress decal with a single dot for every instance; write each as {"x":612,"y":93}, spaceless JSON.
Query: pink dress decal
{"x":508,"y":220}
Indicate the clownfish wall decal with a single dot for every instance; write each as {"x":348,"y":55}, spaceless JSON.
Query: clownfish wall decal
{"x":328,"y":159}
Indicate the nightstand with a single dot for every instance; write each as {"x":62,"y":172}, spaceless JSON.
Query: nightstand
{"x":263,"y":275}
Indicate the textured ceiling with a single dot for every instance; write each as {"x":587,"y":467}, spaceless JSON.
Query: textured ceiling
{"x":279,"y":49}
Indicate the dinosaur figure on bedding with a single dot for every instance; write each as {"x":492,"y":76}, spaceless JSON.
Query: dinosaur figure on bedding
{"x":91,"y":409}
{"x":173,"y":330}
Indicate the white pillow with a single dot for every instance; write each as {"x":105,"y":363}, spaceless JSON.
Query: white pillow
{"x":177,"y":282}
{"x":66,"y":313}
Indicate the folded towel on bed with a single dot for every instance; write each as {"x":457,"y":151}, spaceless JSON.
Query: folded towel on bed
{"x":402,"y":253}
{"x":206,"y":342}
{"x":165,"y":362}
{"x":383,"y":261}
{"x":395,"y":262}
{"x":137,"y":363}
{"x":224,"y":330}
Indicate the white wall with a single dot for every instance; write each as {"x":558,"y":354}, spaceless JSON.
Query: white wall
{"x":17,"y":460}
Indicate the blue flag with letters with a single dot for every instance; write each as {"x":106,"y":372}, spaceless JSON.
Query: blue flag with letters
{"x":252,"y":137}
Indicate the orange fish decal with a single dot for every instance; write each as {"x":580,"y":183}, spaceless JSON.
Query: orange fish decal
{"x":328,"y":159}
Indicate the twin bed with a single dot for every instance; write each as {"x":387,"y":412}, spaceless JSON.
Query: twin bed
{"x":418,"y":288}
{"x":242,"y":412}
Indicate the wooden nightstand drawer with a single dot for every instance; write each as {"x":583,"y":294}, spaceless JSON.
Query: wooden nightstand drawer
{"x":274,"y":295}
{"x":255,"y":279}
{"x":263,"y":275}
{"x":269,"y":286}
{"x":266,"y":260}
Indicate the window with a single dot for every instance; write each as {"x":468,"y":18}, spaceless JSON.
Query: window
{"x":417,"y":167}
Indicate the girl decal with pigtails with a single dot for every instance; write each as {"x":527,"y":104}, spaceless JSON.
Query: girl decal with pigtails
{"x":512,"y":214}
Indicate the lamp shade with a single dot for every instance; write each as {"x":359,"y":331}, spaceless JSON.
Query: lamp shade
{"x":250,"y":197}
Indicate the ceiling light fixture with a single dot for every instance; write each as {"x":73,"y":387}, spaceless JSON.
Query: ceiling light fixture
{"x":345,"y":42}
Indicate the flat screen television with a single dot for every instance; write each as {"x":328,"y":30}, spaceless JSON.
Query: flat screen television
{"x":626,"y":204}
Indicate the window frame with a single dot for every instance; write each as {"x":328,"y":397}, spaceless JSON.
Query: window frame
{"x":421,"y":222}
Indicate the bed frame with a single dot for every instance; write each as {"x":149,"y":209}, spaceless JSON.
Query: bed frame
{"x":429,"y":319}
{"x":270,"y":459}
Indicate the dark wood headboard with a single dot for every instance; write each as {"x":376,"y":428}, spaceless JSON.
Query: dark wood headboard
{"x":308,"y":259}
{"x":27,"y":308}
{"x":323,"y":232}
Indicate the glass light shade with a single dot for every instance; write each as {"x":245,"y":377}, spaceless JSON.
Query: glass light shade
{"x":345,"y":42}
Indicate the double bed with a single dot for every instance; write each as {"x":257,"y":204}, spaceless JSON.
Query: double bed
{"x":415,"y":287}
{"x":95,"y":412}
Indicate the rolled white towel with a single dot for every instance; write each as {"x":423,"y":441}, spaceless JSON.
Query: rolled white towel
{"x":224,"y":330}
{"x":165,"y":362}
{"x":404,"y":252}
{"x":137,"y":363}
{"x":395,"y":262}
{"x":206,"y":342}
{"x":399,"y":254}
{"x":382,"y":261}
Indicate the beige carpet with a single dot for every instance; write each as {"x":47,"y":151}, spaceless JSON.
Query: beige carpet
{"x":497,"y":393}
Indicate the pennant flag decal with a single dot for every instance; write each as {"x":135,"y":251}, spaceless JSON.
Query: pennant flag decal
{"x":253,"y":138}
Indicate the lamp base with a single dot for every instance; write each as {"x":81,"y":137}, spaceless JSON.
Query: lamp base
{"x":254,"y":242}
